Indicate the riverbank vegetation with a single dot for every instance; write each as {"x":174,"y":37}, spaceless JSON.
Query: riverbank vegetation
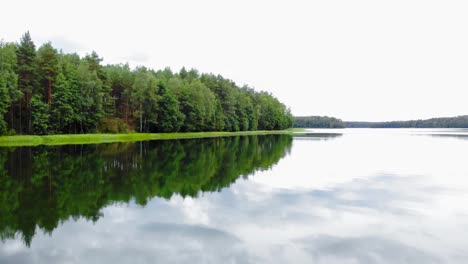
{"x":44,"y":91}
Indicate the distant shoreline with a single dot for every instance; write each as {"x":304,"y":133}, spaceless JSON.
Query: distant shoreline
{"x":332,"y":122}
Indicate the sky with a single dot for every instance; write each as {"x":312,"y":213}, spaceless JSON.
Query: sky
{"x":355,"y":60}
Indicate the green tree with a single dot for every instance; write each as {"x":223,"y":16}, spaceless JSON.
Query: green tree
{"x":9,"y":92}
{"x":272,"y":113}
{"x":245,"y":111}
{"x":145,"y":98}
{"x":27,"y":78}
{"x":4,"y":105}
{"x":91,"y":97}
{"x":198,"y":104}
{"x":94,"y":65}
{"x":63,"y":112}
{"x":120,"y":79}
{"x":68,"y":66}
{"x":47,"y":62}
{"x":40,"y":115}
{"x":169,"y":116}
{"x":227,"y":96}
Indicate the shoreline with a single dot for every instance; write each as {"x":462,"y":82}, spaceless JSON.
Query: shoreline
{"x":78,"y":139}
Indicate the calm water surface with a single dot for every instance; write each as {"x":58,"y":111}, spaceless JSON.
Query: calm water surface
{"x":332,"y":196}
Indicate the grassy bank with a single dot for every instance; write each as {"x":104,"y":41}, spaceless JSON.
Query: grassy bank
{"x":28,"y":140}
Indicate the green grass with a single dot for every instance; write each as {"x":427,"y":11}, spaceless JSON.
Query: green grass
{"x":28,"y":140}
{"x":297,"y":130}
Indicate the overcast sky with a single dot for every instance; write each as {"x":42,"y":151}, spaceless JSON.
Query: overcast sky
{"x":356,"y":60}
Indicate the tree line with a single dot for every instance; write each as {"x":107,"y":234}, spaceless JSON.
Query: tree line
{"x":45,"y":91}
{"x":45,"y":186}
{"x":318,"y":122}
{"x":331,"y":122}
{"x":441,"y":122}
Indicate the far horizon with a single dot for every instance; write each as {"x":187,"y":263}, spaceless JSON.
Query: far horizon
{"x":379,"y":121}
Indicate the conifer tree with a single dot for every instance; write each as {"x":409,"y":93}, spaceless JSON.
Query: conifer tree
{"x":47,"y":62}
{"x":27,"y":79}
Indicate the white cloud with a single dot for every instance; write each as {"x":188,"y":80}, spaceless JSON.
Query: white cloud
{"x":375,"y":60}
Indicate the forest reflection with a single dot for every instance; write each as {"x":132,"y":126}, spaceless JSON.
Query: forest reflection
{"x":42,"y":187}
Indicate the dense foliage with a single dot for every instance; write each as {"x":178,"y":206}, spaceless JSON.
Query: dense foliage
{"x":44,"y":91}
{"x":45,"y":186}
{"x":443,"y":122}
{"x":318,"y":122}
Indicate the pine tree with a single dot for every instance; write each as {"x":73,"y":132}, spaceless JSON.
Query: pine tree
{"x":62,"y":106}
{"x":27,"y":78}
{"x":47,"y":62}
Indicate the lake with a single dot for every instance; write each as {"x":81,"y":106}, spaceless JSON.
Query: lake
{"x":327,"y":196}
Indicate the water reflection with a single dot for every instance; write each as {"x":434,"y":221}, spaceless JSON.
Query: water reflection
{"x":366,"y":197}
{"x":317,"y":136}
{"x":47,"y":185}
{"x":364,"y":250}
{"x":356,"y":222}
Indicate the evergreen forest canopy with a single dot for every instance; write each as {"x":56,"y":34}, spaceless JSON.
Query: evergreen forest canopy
{"x":43,"y":187}
{"x":45,"y":91}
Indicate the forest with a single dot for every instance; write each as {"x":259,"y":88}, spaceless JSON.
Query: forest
{"x":318,"y":122}
{"x":441,"y":122}
{"x":43,"y":187}
{"x":332,"y":122}
{"x":45,"y":91}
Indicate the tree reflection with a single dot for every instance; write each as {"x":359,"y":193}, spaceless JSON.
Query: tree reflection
{"x":42,"y":187}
